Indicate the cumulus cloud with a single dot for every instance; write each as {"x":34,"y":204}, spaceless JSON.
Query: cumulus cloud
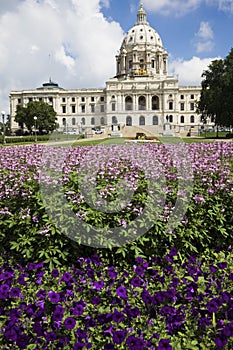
{"x":70,"y":41}
{"x":189,"y":72}
{"x":204,"y":38}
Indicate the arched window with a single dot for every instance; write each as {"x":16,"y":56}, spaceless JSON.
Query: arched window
{"x":73,"y":121}
{"x":170,"y":105}
{"x":141,"y":120}
{"x":182,"y":119}
{"x":155,"y":120}
{"x":83,"y":121}
{"x":192,"y":119}
{"x":92,"y":121}
{"x":129,"y":120}
{"x":171,"y":118}
{"x":102,"y":120}
{"x":128,"y":103}
{"x":141,"y":103}
{"x":114,"y":119}
{"x":63,"y":121}
{"x":155,"y":102}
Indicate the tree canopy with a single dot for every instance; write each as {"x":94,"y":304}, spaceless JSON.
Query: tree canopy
{"x":217,"y":91}
{"x":36,"y":114}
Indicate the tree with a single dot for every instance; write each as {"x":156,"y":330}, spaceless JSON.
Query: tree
{"x":44,"y":113}
{"x":228,"y":88}
{"x":217,"y":92}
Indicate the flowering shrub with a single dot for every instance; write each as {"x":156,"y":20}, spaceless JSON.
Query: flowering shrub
{"x":27,"y":229}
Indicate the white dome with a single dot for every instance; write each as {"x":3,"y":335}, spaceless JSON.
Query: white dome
{"x":142,"y":34}
{"x":142,"y":51}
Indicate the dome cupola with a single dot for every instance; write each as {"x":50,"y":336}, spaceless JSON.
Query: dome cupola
{"x":142,"y":52}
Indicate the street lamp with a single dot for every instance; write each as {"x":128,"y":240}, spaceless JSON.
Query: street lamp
{"x":3,"y":127}
{"x":35,"y":118}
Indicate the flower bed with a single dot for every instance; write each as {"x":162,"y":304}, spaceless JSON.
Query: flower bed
{"x":166,"y":289}
{"x":159,"y":303}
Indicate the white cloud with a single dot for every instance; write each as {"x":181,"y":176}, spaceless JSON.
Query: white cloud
{"x":172,"y":7}
{"x":205,"y":46}
{"x":205,"y":31}
{"x":222,"y":5}
{"x":226,"y":5}
{"x":181,"y":7}
{"x":71,"y":41}
{"x":189,"y":72}
{"x":203,"y":41}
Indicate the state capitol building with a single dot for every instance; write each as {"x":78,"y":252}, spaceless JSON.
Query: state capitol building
{"x":141,"y":97}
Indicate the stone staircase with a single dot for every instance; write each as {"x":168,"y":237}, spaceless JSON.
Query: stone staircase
{"x":130,"y":131}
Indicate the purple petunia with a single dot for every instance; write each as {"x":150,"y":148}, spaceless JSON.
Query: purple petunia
{"x":53,"y":296}
{"x":121,"y":292}
{"x":117,"y":316}
{"x":55,"y":273}
{"x":95,"y":300}
{"x":66,"y":277}
{"x":58,"y":313}
{"x":164,"y":344}
{"x":221,"y":341}
{"x":137,"y":282}
{"x":119,"y":336}
{"x":69,"y":323}
{"x":135,"y":343}
{"x":212,"y":306}
{"x":15,"y":293}
{"x":4,"y":289}
{"x":228,"y":330}
{"x":50,"y":336}
{"x":98,"y":285}
{"x":41,"y":294}
{"x":78,"y":309}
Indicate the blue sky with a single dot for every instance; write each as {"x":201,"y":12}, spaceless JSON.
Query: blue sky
{"x":74,"y":42}
{"x":204,"y":28}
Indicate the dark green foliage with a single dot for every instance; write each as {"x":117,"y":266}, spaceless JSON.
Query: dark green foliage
{"x":45,"y":114}
{"x":217,"y":92}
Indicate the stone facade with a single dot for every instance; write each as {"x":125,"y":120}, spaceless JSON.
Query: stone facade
{"x":142,"y":95}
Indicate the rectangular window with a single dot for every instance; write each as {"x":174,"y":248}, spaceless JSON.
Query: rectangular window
{"x":30,"y":99}
{"x":102,"y":98}
{"x":182,"y":106}
{"x":83,"y":108}
{"x":192,"y":97}
{"x":73,"y":109}
{"x":63,"y":99}
{"x":101,"y":108}
{"x":92,"y":99}
{"x":170,"y":106}
{"x":181,"y":97}
{"x":192,"y":106}
{"x":63,"y":109}
{"x":113,"y":106}
{"x":73,"y":99}
{"x":83,"y":99}
{"x":19,"y":100}
{"x":92,"y":108}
